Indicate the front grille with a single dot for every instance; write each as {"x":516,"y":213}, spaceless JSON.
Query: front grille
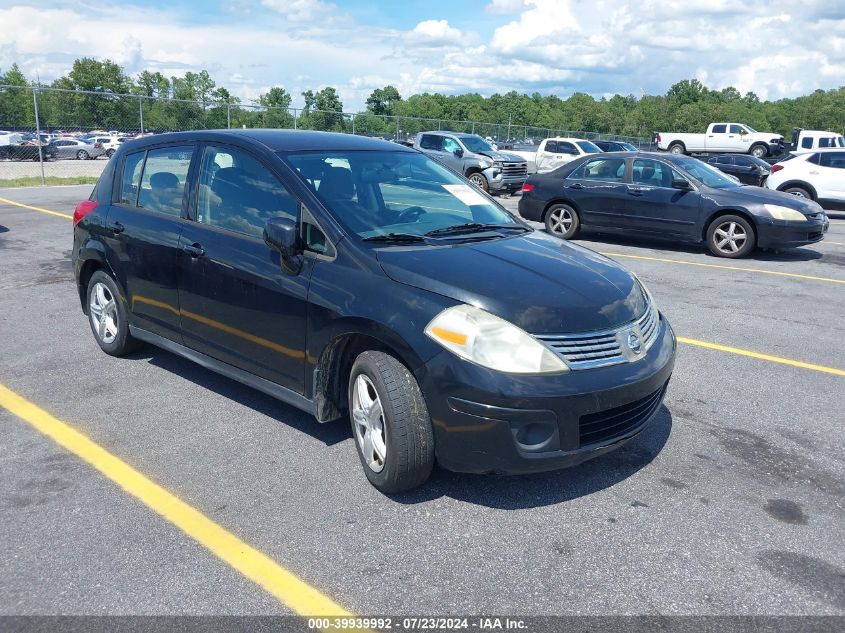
{"x":815,"y":235}
{"x":816,"y":216}
{"x":515,"y":169}
{"x":604,"y":426}
{"x":588,"y":350}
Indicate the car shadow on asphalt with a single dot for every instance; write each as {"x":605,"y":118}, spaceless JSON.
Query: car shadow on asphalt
{"x":330,"y":433}
{"x":597,"y":241}
{"x":517,"y":492}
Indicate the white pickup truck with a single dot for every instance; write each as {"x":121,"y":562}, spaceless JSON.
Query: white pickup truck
{"x":554,"y":152}
{"x":722,"y":137}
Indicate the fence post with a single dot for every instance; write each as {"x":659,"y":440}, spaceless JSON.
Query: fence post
{"x":353,"y":123}
{"x":294,"y":118}
{"x":473,"y":127}
{"x":38,"y":134}
{"x":141,"y":111}
{"x":228,"y":116}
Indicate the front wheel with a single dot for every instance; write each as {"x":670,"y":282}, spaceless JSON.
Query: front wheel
{"x":731,"y":236}
{"x":82,"y":155}
{"x":677,"y":148}
{"x":390,"y":423}
{"x":759,"y":151}
{"x":562,"y":221}
{"x":479,"y":181}
{"x":800,"y":192}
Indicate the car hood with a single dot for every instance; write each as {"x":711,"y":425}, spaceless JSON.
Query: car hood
{"x":751,"y":196}
{"x":538,"y":282}
{"x":503,"y":156}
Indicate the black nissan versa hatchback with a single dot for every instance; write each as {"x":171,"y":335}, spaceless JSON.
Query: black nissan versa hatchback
{"x":350,"y":276}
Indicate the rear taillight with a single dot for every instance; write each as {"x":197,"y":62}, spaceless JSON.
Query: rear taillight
{"x":527,"y":187}
{"x":776,"y":168}
{"x":82,"y":209}
{"x":98,"y":146}
{"x":657,"y":138}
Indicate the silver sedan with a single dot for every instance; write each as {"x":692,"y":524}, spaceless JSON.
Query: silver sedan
{"x":73,"y":148}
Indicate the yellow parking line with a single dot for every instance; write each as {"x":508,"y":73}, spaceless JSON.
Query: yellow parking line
{"x":26,"y":206}
{"x":767,"y":357}
{"x":290,"y":590}
{"x":722,"y":266}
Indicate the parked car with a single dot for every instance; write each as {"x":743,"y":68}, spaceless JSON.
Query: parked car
{"x":749,"y":170}
{"x":28,"y":150}
{"x":554,"y":152}
{"x":109,"y":143}
{"x":615,"y":146}
{"x":312,"y":266}
{"x":809,"y":140}
{"x":818,"y":176}
{"x":473,"y":157}
{"x":669,"y":196}
{"x":75,"y":148}
{"x":724,"y":138}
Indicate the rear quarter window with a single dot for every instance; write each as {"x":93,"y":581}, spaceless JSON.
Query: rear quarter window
{"x":131,"y":178}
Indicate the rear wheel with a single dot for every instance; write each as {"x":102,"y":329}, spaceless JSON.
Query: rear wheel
{"x":390,"y":423}
{"x":801,"y":192}
{"x":82,"y":155}
{"x":731,"y":236}
{"x":677,"y":148}
{"x":109,"y":153}
{"x":479,"y":181}
{"x":107,"y":316}
{"x":562,"y":221}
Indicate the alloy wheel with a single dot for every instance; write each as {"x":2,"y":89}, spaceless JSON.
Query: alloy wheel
{"x":368,"y":416}
{"x":102,"y":309}
{"x":477,"y":180}
{"x":560,"y":221}
{"x":730,"y":237}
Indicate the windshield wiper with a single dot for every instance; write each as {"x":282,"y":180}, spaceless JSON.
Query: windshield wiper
{"x":395,"y":237}
{"x":474,"y":227}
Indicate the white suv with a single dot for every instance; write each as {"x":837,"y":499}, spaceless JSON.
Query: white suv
{"x":818,"y":175}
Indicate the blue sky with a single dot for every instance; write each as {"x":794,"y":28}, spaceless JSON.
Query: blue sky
{"x":776,"y":48}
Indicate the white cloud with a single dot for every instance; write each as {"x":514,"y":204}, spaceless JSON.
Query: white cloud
{"x":776,"y":49}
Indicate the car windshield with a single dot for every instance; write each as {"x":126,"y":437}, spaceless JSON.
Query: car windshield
{"x":476,"y":144}
{"x":403,"y":194}
{"x":588,"y":147}
{"x":629,"y":147}
{"x":705,"y":174}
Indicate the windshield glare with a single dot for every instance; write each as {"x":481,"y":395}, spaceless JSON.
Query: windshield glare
{"x":706,"y":174}
{"x":380,"y":192}
{"x":476,"y":144}
{"x":588,"y":147}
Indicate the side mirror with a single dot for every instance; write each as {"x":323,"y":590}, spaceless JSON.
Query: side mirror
{"x":283,"y":235}
{"x":458,"y":152}
{"x":680,"y":183}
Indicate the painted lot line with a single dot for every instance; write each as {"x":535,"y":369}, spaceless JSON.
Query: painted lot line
{"x":294,"y":593}
{"x":688,"y":341}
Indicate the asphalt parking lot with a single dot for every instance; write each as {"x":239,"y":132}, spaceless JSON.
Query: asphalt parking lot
{"x":731,"y":502}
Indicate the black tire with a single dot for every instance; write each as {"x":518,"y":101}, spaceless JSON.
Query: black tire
{"x":562,"y":221}
{"x":479,"y":181}
{"x":82,"y":155}
{"x":759,"y":150}
{"x":677,"y":148}
{"x":406,"y":425}
{"x":109,"y":153}
{"x":123,"y":343}
{"x":725,"y":227}
{"x":797,"y":190}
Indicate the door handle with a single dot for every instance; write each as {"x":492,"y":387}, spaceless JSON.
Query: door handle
{"x":117,"y":227}
{"x":575,"y":185}
{"x":636,"y":191}
{"x":194,"y":250}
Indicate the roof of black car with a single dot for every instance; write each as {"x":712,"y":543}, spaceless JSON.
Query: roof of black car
{"x":285,"y":140}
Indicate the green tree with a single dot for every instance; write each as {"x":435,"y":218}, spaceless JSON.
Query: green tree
{"x":323,"y":110}
{"x":16,"y":108}
{"x":275,"y":102}
{"x":382,"y":100}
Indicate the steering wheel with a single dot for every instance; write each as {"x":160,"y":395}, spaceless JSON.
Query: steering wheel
{"x":409,"y":215}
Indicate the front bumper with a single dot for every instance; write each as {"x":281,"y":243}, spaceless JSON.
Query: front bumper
{"x":486,"y":421}
{"x":783,"y":234}
{"x":499,"y":181}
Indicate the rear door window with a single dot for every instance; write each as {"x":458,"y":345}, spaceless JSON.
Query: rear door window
{"x":551,"y":147}
{"x":163,"y":183}
{"x":607,"y":169}
{"x":832,"y":159}
{"x":723,"y":160}
{"x":719,"y":129}
{"x":431,"y":141}
{"x":238,"y":193}
{"x":807,"y":142}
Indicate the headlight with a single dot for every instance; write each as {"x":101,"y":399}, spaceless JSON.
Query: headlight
{"x":484,"y":164}
{"x":784,"y":213}
{"x":489,"y":341}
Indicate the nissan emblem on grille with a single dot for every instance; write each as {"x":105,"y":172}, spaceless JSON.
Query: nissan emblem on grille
{"x":634,"y":342}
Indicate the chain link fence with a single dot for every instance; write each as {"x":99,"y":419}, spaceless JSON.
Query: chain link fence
{"x":55,"y":136}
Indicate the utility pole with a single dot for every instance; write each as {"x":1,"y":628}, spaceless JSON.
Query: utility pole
{"x":141,"y":111}
{"x":509,"y":128}
{"x":38,"y":132}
